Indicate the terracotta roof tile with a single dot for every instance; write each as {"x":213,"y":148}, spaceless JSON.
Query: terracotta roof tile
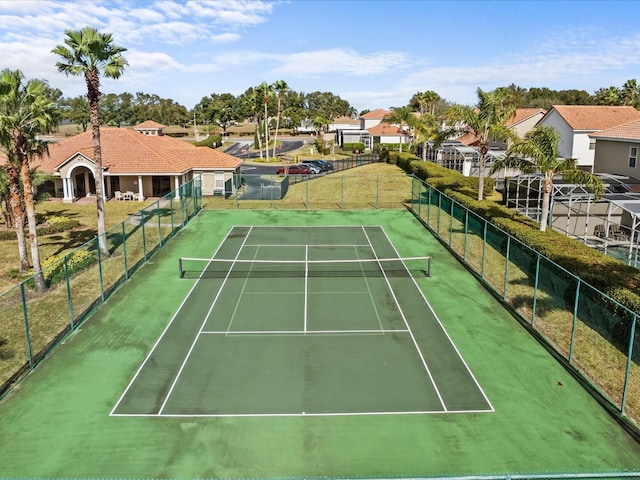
{"x":595,"y":117}
{"x":150,"y":124}
{"x":384,"y":128}
{"x":125,"y":151}
{"x":377,"y":114}
{"x":522,"y":114}
{"x":627,"y":131}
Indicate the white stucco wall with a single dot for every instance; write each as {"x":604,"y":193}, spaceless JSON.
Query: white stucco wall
{"x":572,"y":144}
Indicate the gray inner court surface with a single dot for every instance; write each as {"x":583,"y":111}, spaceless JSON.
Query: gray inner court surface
{"x":278,"y":330}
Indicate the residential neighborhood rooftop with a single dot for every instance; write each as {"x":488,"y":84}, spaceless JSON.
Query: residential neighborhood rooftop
{"x":595,"y":117}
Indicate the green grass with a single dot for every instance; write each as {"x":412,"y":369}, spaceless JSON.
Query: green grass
{"x":62,"y":243}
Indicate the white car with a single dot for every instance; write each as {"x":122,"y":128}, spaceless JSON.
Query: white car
{"x":311,"y":167}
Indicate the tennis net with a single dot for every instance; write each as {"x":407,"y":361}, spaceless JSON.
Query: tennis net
{"x":241,"y":268}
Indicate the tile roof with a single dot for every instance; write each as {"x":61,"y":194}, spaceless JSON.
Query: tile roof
{"x":377,"y":114}
{"x":522,"y":114}
{"x":595,"y":117}
{"x":127,"y":152}
{"x":627,"y":131}
{"x":150,"y":124}
{"x":384,"y":128}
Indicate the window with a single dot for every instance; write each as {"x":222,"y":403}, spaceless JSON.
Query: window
{"x":633,"y":156}
{"x":592,"y":144}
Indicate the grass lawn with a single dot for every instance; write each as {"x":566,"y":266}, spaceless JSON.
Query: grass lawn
{"x":61,"y":243}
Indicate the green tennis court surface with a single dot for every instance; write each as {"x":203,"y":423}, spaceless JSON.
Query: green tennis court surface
{"x":304,"y":321}
{"x":166,"y":381}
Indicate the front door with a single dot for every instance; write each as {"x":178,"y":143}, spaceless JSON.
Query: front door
{"x":81,"y":188}
{"x":161,"y":186}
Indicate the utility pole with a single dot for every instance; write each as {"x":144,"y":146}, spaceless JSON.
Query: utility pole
{"x":195,"y":127}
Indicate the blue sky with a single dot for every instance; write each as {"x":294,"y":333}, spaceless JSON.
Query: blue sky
{"x":374,"y":54}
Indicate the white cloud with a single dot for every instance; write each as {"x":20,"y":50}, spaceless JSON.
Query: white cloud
{"x":339,"y":60}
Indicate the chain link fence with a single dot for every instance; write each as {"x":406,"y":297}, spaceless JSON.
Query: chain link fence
{"x":33,"y":322}
{"x":596,"y":335}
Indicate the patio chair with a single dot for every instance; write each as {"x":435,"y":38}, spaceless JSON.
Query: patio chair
{"x":617,"y":233}
{"x":137,"y":196}
{"x":599,"y":231}
{"x":117,"y":195}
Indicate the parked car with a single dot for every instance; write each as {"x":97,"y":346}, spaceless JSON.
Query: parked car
{"x":294,"y":170}
{"x":321,"y":164}
{"x":313,"y":168}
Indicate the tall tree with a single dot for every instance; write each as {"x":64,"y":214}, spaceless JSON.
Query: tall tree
{"x":486,"y":121}
{"x":427,"y":128}
{"x":89,"y":53}
{"x":16,"y":207}
{"x":280,"y":87}
{"x":631,"y":93}
{"x":25,"y":111}
{"x":538,"y":152}
{"x":265,"y":92}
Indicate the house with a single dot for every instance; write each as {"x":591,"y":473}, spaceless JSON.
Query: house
{"x":576,"y":122}
{"x":362,"y":133}
{"x":385,"y":133}
{"x":141,"y":161}
{"x":522,"y":121}
{"x":617,"y":148}
{"x":344,"y":123}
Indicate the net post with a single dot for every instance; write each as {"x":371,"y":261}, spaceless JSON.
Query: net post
{"x":180,"y":273}
{"x":429,"y":266}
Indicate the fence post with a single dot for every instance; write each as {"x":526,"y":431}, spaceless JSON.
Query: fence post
{"x":159,"y":222}
{"x":575,"y":320}
{"x":124,"y":252}
{"x":144,"y":235}
{"x":342,"y":192}
{"x":466,"y":233}
{"x":26,"y":325}
{"x":451,"y":224}
{"x":100,"y":270}
{"x":484,"y":247}
{"x":171,"y":213}
{"x":535,"y":290}
{"x":627,"y":374}
{"x":378,"y":192}
{"x":428,"y":204}
{"x":68,"y":282}
{"x":506,"y":268}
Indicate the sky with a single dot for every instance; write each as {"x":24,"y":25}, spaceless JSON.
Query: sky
{"x":372,"y":53}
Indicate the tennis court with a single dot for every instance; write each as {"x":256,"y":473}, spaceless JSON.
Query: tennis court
{"x":304,"y":321}
{"x":311,"y":347}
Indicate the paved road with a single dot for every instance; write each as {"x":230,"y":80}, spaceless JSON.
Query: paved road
{"x":240,"y":148}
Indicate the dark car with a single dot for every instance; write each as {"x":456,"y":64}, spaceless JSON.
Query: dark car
{"x":321,"y":164}
{"x":294,"y":170}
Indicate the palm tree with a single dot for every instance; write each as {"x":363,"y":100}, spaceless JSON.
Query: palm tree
{"x":427,"y":128}
{"x":486,"y":122}
{"x":265,"y":91}
{"x":538,"y":151}
{"x":399,"y":116}
{"x":280,"y":87}
{"x":89,"y":53}
{"x":16,"y":208}
{"x":631,"y":93}
{"x":25,"y":110}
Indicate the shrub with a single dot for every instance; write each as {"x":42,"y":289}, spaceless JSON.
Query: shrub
{"x":212,"y":141}
{"x":350,"y":147}
{"x":53,"y":267}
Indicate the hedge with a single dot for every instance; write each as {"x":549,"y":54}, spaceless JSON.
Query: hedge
{"x":607,"y":274}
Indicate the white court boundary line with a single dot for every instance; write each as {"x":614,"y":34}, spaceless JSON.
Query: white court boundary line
{"x":144,"y":362}
{"x":302,"y":333}
{"x":404,"y":318}
{"x":444,"y":329}
{"x":204,"y":322}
